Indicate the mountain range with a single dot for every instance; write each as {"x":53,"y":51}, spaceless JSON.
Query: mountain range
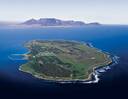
{"x":56,"y":22}
{"x":47,"y":22}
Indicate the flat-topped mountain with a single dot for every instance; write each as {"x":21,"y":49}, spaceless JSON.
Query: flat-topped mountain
{"x":55,"y":22}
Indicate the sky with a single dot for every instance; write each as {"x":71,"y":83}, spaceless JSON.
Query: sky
{"x":103,"y":11}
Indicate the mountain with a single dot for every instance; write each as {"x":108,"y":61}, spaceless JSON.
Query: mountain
{"x":55,"y":22}
{"x":94,"y":23}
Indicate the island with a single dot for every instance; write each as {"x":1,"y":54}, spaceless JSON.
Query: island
{"x":63,"y":60}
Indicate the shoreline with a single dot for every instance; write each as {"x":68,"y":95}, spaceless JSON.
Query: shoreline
{"x":87,"y":80}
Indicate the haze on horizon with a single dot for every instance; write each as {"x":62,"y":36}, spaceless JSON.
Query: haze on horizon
{"x":103,"y":11}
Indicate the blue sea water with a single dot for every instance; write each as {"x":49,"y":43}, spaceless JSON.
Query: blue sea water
{"x":112,"y":39}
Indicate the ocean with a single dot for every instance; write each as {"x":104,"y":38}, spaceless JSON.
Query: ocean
{"x":109,"y":38}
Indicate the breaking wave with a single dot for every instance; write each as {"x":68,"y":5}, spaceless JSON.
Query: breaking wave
{"x":17,"y":57}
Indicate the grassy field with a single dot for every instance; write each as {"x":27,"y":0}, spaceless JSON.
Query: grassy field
{"x":63,"y":60}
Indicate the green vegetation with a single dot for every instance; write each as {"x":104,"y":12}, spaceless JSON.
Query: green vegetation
{"x":63,"y":60}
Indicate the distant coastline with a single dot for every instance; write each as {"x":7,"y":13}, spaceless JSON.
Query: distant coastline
{"x":48,"y":22}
